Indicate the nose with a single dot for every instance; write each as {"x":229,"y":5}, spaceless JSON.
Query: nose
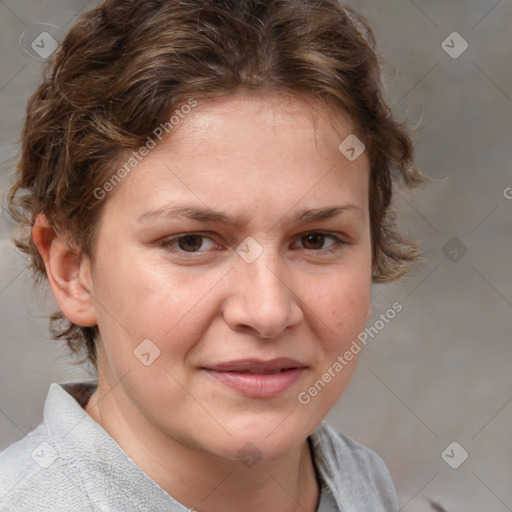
{"x":262,"y":300}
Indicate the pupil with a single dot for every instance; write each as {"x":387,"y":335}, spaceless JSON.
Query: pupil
{"x":313,"y":239}
{"x":187,"y":243}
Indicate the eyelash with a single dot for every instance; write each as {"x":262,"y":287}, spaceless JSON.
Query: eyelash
{"x":167,"y":243}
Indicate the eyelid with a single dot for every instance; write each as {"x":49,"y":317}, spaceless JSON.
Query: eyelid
{"x":339,"y":242}
{"x":167,"y":243}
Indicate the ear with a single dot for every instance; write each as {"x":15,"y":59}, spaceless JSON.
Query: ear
{"x":69,"y":274}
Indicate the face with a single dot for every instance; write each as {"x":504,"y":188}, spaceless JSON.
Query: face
{"x":239,"y":250}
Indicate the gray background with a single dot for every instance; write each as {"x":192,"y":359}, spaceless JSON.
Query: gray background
{"x":440,"y":371}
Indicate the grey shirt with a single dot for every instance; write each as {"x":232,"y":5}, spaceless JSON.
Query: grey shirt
{"x":70,"y":463}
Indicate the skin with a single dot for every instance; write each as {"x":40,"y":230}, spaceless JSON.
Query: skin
{"x":261,"y":157}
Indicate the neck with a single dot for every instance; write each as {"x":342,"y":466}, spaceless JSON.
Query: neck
{"x":288,"y":484}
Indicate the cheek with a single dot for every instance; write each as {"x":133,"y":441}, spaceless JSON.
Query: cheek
{"x":350,"y":313}
{"x":343,"y":304}
{"x":143,"y":301}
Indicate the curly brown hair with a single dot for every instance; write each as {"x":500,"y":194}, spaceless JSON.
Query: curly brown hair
{"x":126,"y":64}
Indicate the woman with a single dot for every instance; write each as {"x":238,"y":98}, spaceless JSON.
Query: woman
{"x":206,"y":187}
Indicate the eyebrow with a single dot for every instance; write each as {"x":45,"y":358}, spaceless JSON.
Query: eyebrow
{"x":208,"y":215}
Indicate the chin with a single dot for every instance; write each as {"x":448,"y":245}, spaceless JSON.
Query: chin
{"x":270,"y":437}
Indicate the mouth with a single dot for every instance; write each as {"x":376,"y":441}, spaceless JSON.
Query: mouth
{"x":258,"y":378}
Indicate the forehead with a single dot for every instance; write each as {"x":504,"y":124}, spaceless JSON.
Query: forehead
{"x":245,"y":148}
{"x":257,"y":113}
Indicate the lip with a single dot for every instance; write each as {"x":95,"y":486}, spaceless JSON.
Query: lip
{"x":258,"y":378}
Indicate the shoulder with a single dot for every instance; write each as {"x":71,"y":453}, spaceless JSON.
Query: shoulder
{"x":343,"y":446}
{"x":352,"y":470}
{"x":36,"y":476}
{"x":70,"y":463}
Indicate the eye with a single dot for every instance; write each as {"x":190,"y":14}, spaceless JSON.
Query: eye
{"x":315,"y":240}
{"x":189,"y":243}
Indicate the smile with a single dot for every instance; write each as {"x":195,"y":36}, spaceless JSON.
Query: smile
{"x":256,"y":378}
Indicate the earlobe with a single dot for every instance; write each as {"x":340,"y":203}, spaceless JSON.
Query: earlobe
{"x":69,"y":273}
